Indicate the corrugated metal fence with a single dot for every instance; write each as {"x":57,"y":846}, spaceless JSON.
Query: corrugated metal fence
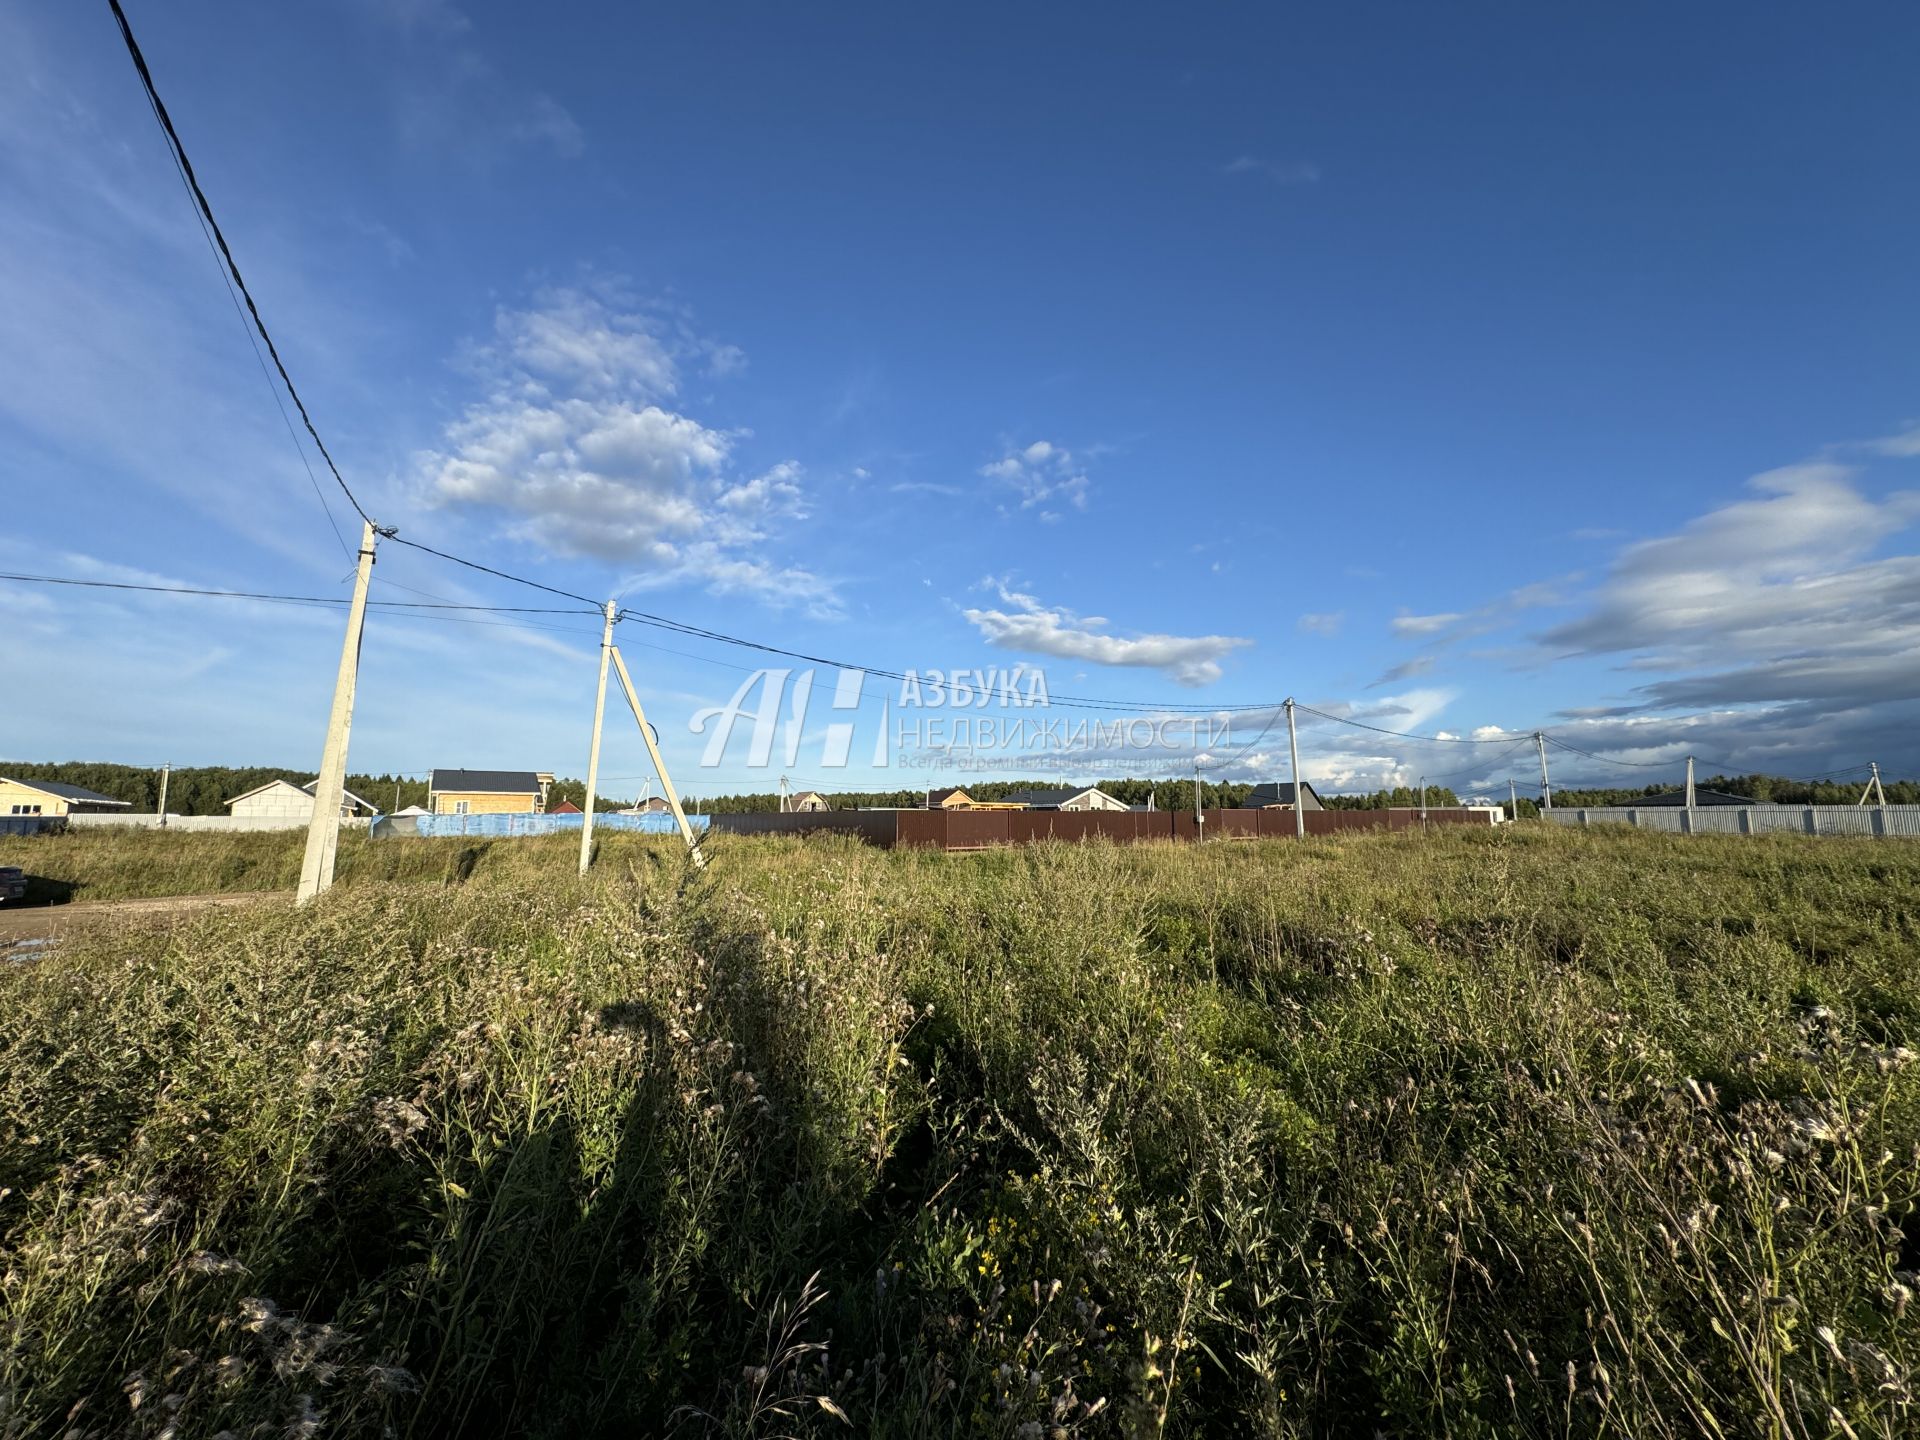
{"x":1885,"y":820}
{"x":650,"y":824}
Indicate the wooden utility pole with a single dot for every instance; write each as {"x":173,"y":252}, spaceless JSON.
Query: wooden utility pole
{"x":1299,"y":796}
{"x":593,"y":758}
{"x":653,"y":749}
{"x":323,"y":834}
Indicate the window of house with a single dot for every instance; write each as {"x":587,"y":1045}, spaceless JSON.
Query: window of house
{"x":461,"y":807}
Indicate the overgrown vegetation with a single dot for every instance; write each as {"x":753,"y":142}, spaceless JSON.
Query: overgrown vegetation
{"x":1521,"y":1132}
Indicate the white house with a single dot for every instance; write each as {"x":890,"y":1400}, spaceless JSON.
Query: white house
{"x":1065,"y":797}
{"x":280,"y":800}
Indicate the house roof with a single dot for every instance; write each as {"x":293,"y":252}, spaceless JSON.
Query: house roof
{"x":566,"y":807}
{"x":1044,"y":796}
{"x":486,"y":782}
{"x":805,"y":794}
{"x":308,"y":787}
{"x":940,"y":797}
{"x":1277,"y":792}
{"x":1701,"y":798}
{"x":65,"y":791}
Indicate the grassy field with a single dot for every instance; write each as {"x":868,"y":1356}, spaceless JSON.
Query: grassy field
{"x":1530,"y":1132}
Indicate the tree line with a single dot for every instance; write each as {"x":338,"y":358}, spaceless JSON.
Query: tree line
{"x":206,"y":789}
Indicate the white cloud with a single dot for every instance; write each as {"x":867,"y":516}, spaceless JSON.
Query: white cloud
{"x":449,"y":96}
{"x":1041,"y":472}
{"x":1296,"y":172}
{"x":1904,"y":446}
{"x":1405,"y":624}
{"x":577,"y":442}
{"x":1033,"y":628}
{"x":1327,"y":624}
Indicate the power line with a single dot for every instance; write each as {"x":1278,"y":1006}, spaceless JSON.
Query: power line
{"x":1484,"y":765}
{"x":179,"y":152}
{"x":594,"y":605}
{"x":283,"y":599}
{"x":1503,"y":739}
{"x":254,"y":343}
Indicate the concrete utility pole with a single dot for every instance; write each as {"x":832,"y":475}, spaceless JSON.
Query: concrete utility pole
{"x":1689,"y":782}
{"x":653,"y":749}
{"x":1874,"y":787}
{"x":783,"y":794}
{"x":165,"y":771}
{"x":1199,"y":820}
{"x":1299,"y":796}
{"x":1423,"y":799}
{"x":593,"y":758}
{"x":1546,"y":787}
{"x":1513,"y":800}
{"x":323,"y":834}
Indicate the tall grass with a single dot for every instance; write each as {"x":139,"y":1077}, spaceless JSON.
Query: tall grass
{"x":1538,"y":1133}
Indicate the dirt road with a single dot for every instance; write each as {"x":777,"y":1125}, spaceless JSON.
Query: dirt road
{"x":50,"y":922}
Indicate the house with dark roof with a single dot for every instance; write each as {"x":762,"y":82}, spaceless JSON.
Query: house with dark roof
{"x":808,"y":801}
{"x":1278,"y":795}
{"x":54,"y":797}
{"x":1065,"y":797}
{"x":1700,"y":798}
{"x":488,"y":792}
{"x":283,"y":800}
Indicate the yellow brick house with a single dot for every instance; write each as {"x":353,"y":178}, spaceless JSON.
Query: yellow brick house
{"x":488,"y":792}
{"x":53,"y":797}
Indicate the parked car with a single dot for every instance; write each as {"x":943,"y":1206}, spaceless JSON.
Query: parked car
{"x":13,"y":883}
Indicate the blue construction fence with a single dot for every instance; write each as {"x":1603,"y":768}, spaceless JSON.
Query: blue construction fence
{"x":661,"y":823}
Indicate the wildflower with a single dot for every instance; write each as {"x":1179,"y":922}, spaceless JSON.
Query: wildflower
{"x":205,"y":1262}
{"x":391,"y":1380}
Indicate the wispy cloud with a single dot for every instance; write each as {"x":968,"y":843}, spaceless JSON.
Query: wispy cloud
{"x":449,"y":96}
{"x":1041,"y":473}
{"x":1036,"y":629}
{"x":1281,"y":172}
{"x":1326,"y":624}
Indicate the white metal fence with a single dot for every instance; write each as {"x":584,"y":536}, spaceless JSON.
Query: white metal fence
{"x":1882,"y":820}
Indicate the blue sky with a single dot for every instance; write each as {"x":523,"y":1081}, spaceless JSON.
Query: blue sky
{"x":1457,"y":370}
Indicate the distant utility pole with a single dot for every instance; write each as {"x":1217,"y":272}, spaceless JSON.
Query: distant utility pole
{"x":1199,"y":820}
{"x":1423,"y":799}
{"x":1299,"y":797}
{"x":783,"y":794}
{"x":593,"y":757}
{"x":396,"y":797}
{"x":1546,"y":786}
{"x":165,"y":770}
{"x":1874,"y":787}
{"x":323,"y":834}
{"x":1689,"y":782}
{"x":1513,"y":800}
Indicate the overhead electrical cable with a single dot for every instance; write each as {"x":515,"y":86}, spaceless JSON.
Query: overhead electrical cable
{"x":179,"y":151}
{"x":1506,"y":738}
{"x":286,"y":599}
